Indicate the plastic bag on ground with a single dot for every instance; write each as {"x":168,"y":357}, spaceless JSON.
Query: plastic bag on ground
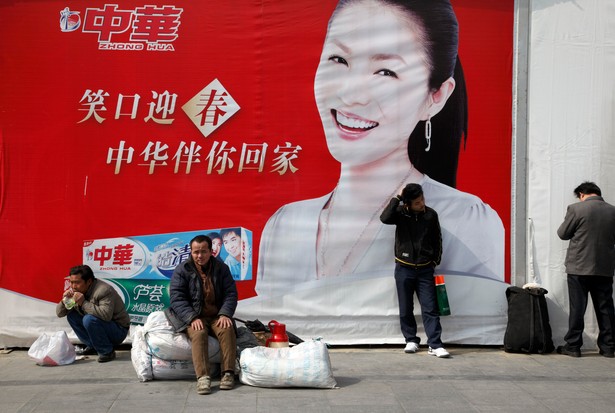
{"x":304,"y":365}
{"x":52,"y":350}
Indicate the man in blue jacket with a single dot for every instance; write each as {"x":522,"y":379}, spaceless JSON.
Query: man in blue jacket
{"x":203,"y":300}
{"x":418,"y":250}
{"x":590,"y":264}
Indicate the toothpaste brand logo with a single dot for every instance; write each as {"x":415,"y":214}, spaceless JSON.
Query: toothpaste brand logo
{"x":69,"y":20}
{"x":148,"y":27}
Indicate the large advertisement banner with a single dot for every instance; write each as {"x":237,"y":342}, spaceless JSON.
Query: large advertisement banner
{"x":297,"y":121}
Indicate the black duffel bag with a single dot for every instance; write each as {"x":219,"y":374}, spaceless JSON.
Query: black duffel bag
{"x":528,"y":329}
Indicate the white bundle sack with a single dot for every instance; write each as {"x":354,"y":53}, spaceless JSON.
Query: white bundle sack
{"x":164,"y":343}
{"x":177,"y":346}
{"x":157,"y":320}
{"x":141,"y":359}
{"x":52,"y":350}
{"x":172,"y":369}
{"x":169,"y":346}
{"x":304,"y":365}
{"x":162,"y":340}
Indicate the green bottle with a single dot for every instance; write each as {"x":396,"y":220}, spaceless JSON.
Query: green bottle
{"x":442,"y":296}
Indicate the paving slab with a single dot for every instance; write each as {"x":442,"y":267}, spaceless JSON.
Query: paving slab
{"x":370,"y":379}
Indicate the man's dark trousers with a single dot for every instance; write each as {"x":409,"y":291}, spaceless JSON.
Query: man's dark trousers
{"x":410,"y":280}
{"x":601,"y":290}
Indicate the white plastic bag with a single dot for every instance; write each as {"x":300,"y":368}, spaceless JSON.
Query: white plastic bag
{"x":304,"y":365}
{"x":52,"y":350}
{"x":141,"y":359}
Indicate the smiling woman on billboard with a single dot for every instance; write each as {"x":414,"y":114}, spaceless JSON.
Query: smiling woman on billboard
{"x":391,"y":96}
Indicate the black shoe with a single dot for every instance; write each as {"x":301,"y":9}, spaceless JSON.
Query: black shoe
{"x":567,"y":352}
{"x":85,"y":351}
{"x":609,"y":354}
{"x":103,"y":358}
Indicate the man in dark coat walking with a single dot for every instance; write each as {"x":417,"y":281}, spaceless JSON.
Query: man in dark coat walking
{"x":590,"y":264}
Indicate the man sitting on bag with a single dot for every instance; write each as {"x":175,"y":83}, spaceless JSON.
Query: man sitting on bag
{"x":203,"y":300}
{"x":98,"y":318}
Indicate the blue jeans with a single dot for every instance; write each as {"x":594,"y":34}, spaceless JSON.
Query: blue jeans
{"x":410,"y":280}
{"x":96,"y":333}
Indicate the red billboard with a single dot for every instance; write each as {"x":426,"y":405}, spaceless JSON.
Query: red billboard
{"x":123,"y":119}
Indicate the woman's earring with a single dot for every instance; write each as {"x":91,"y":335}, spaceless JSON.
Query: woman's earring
{"x":428,"y":133}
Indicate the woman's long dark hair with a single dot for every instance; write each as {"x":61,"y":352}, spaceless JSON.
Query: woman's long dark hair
{"x":440,"y":39}
{"x":448,"y":128}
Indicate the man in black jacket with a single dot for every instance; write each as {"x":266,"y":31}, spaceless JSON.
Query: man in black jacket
{"x":203,"y":299}
{"x":418,"y":250}
{"x":590,"y":263}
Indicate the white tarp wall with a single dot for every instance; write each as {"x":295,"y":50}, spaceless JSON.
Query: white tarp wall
{"x":570,"y":132}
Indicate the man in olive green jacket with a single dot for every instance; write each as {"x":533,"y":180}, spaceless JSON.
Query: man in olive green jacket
{"x":96,"y":313}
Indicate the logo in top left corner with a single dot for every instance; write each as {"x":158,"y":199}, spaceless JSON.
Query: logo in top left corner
{"x":69,"y":20}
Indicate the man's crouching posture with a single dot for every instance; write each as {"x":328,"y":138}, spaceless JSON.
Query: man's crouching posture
{"x":96,"y":313}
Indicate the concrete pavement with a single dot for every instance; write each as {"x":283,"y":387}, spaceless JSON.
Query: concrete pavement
{"x":376,"y":379}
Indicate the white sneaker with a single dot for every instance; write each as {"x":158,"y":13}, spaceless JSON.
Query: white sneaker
{"x":411,"y":347}
{"x":438,"y":352}
{"x":203,"y":385}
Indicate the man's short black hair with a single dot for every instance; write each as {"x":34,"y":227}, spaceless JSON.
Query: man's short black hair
{"x":587,"y":188}
{"x":199,"y":239}
{"x":84,"y":271}
{"x":411,"y":192}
